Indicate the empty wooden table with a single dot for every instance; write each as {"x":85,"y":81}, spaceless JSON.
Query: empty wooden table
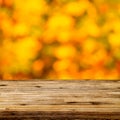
{"x":60,"y":99}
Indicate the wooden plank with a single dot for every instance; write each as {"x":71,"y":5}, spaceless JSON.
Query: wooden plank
{"x":60,"y":99}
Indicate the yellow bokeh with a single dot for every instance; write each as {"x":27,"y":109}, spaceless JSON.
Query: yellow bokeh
{"x":59,"y":39}
{"x":65,"y":52}
{"x":76,"y":8}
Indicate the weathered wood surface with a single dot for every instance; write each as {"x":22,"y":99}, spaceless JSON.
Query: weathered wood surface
{"x":60,"y":99}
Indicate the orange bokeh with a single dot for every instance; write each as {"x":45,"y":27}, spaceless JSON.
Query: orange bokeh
{"x":59,"y":39}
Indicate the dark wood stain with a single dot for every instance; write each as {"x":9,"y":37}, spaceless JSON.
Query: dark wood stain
{"x":3,"y":85}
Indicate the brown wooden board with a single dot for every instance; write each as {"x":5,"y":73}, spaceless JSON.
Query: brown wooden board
{"x":60,"y":99}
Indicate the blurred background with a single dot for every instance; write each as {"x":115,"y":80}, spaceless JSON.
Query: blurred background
{"x":59,"y":39}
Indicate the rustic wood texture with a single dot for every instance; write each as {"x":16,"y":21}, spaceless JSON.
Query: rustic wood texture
{"x":60,"y":99}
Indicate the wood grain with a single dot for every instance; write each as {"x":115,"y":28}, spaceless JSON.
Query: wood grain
{"x":60,"y":99}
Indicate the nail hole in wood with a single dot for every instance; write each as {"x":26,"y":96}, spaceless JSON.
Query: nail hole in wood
{"x":38,"y":86}
{"x":23,"y":104}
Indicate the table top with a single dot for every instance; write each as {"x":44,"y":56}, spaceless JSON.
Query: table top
{"x":60,"y":99}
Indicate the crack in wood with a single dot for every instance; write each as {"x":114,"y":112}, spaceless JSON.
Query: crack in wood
{"x":3,"y":85}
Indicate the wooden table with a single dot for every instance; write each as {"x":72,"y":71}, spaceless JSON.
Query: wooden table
{"x":60,"y":100}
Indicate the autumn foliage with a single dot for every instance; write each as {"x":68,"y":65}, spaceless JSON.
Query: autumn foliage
{"x":60,"y":39}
